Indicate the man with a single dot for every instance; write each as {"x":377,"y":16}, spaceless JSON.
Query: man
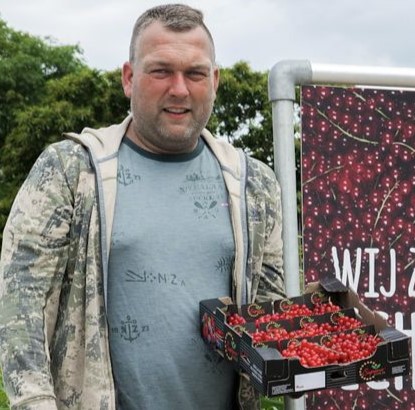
{"x":118,"y":233}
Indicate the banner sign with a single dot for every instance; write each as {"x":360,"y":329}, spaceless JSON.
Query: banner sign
{"x":358,"y":201}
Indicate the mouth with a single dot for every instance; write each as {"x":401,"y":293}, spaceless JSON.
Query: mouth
{"x":176,"y":110}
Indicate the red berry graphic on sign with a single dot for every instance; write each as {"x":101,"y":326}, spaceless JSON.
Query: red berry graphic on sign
{"x":358,"y":211}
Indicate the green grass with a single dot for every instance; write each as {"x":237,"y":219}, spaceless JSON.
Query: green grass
{"x":276,"y":403}
{"x":4,"y":402}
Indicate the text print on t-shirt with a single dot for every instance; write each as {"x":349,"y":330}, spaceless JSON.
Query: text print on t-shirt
{"x":224,"y":265}
{"x":205,"y":193}
{"x":126,"y":177}
{"x":129,"y":329}
{"x":166,"y":279}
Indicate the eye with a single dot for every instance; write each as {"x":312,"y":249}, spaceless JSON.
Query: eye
{"x":197,"y":75}
{"x":160,"y":73}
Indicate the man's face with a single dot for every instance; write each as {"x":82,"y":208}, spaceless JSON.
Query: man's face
{"x":172,"y":85}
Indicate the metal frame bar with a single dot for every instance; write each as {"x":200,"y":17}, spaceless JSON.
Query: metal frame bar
{"x":283,"y":78}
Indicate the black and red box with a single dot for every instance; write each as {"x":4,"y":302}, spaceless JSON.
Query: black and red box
{"x":273,"y":374}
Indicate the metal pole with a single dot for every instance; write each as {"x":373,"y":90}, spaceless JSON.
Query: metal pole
{"x":356,"y":75}
{"x":283,"y":78}
{"x":282,"y":81}
{"x":284,"y":153}
{"x":284,"y":164}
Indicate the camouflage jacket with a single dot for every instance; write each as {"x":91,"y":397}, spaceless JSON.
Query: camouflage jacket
{"x":53,"y":330}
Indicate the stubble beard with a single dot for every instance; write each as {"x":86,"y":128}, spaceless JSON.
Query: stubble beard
{"x":154,"y":134}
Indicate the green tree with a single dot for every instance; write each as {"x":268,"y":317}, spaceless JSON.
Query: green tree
{"x":243,"y":115}
{"x":69,"y":103}
{"x":242,"y":112}
{"x":26,"y":64}
{"x":46,"y":89}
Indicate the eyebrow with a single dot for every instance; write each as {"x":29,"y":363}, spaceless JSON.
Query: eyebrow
{"x":164,"y":64}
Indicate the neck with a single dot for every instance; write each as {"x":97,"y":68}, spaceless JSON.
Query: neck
{"x":149,"y":147}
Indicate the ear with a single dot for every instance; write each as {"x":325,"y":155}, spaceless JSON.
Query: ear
{"x":216,"y":76}
{"x":127,"y":78}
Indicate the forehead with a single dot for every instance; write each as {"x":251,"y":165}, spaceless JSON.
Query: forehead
{"x":157,"y":41}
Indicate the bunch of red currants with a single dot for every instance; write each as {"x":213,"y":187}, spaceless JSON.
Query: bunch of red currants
{"x":338,"y":349}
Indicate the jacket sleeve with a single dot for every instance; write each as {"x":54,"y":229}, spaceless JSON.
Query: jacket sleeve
{"x":265,"y":231}
{"x":33,"y":261}
{"x":272,"y":284}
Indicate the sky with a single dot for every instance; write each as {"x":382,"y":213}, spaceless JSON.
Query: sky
{"x":261,"y":32}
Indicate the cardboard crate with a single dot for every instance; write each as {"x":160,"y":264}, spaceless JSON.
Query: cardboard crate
{"x":272,"y":374}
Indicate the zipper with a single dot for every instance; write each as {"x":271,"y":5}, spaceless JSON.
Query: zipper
{"x":242,"y":294}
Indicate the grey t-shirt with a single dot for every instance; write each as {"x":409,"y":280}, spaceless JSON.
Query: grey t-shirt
{"x":172,"y":246}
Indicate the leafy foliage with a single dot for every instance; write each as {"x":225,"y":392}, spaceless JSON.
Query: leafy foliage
{"x":4,"y":402}
{"x":26,"y":64}
{"x":46,"y":89}
{"x":276,"y":403}
{"x":242,"y":113}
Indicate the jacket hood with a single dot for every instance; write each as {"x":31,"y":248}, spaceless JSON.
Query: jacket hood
{"x":102,"y":142}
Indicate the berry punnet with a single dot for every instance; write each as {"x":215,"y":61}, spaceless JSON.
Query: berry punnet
{"x":312,"y":336}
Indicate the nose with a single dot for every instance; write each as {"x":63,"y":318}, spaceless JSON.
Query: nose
{"x":178,"y":86}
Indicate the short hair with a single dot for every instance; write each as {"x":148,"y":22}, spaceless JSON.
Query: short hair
{"x":174,"y":17}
